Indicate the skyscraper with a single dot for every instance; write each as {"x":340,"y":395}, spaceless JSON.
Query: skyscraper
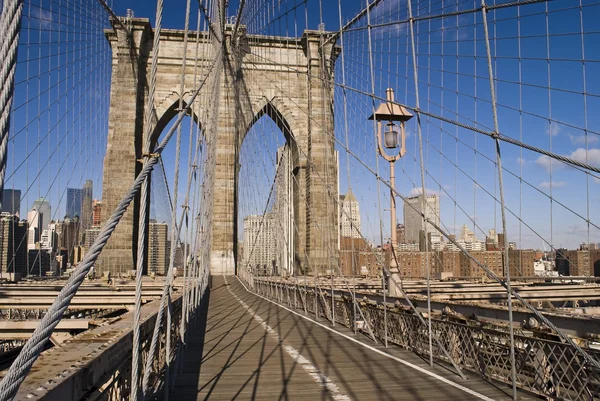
{"x":13,"y":245}
{"x":11,"y":202}
{"x":87,"y":211}
{"x":349,"y":216}
{"x":49,"y":237}
{"x":34,"y":218}
{"x":69,"y":237}
{"x":39,"y":262}
{"x":43,"y":207}
{"x":96,"y":213}
{"x":74,"y":202}
{"x":260,"y":244}
{"x":90,"y":236}
{"x":400,"y":234}
{"x":413,"y":222}
{"x":466,"y":235}
{"x":158,"y":247}
{"x":284,"y":211}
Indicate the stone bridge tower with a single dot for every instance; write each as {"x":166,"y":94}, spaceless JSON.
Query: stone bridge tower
{"x":290,"y":85}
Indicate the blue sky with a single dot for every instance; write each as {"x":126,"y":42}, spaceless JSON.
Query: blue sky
{"x":460,"y":163}
{"x":453,"y":83}
{"x":60,"y":107}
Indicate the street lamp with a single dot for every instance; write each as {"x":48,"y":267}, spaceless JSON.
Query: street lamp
{"x":391,"y":112}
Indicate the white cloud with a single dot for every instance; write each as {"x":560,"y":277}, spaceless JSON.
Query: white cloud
{"x":546,"y":161}
{"x":553,"y":129}
{"x":576,"y":229}
{"x":43,"y":16}
{"x":553,"y":184}
{"x":452,"y":29}
{"x":380,"y":14}
{"x":597,"y":180}
{"x":418,"y":191}
{"x":398,"y":28}
{"x":521,"y":161}
{"x":583,"y":139}
{"x":590,"y":156}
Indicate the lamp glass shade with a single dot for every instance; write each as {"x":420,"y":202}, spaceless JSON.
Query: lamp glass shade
{"x":391,"y":137}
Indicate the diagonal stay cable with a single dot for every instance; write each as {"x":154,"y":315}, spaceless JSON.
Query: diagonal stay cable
{"x":504,"y":138}
{"x":167,"y":286}
{"x":34,"y":346}
{"x":489,"y":272}
{"x":115,"y":18}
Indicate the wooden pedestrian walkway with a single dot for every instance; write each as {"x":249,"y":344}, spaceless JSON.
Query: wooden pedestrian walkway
{"x":249,"y":348}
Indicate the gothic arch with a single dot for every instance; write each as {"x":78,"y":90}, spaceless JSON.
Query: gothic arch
{"x":247,"y":91}
{"x":275,"y":109}
{"x":165,"y":111}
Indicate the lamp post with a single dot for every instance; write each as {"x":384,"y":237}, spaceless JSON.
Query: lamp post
{"x":389,"y":112}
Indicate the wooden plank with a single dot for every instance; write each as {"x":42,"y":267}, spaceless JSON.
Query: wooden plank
{"x":233,"y":356}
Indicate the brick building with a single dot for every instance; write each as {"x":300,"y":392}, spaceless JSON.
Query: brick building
{"x":581,"y":263}
{"x":521,"y":262}
{"x":356,"y":253}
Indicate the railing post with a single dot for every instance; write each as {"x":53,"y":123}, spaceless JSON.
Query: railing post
{"x":385,"y":328}
{"x":316,"y":304}
{"x":295,"y":294}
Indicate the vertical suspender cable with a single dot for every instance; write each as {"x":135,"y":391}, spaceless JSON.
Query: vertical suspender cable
{"x":149,"y":125}
{"x":372,"y":74}
{"x":423,"y":191}
{"x":176,"y":182}
{"x":174,"y":228}
{"x":513,"y":371}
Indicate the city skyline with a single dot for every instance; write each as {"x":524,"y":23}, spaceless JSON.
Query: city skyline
{"x":466,"y":186}
{"x":473,"y":192}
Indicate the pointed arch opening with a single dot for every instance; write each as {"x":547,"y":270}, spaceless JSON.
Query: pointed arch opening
{"x":266,"y":184}
{"x":161,"y":185}
{"x":165,"y":113}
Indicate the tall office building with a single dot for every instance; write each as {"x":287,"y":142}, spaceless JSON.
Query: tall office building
{"x":400,"y":234}
{"x":39,"y":262}
{"x":87,"y":216}
{"x":43,"y":207}
{"x":413,"y":222}
{"x":49,"y":237}
{"x":11,"y":202}
{"x":90,"y":236}
{"x":74,"y":202}
{"x":349,"y":216}
{"x":260,"y":244}
{"x":13,"y":245}
{"x":34,"y":218}
{"x":284,"y":212}
{"x":69,"y":237}
{"x":96,"y":213}
{"x":466,"y":235}
{"x":158,"y":247}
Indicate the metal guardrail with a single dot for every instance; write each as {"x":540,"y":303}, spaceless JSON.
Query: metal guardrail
{"x":544,"y":367}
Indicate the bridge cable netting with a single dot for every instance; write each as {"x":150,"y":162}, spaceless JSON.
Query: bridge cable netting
{"x":312,"y":124}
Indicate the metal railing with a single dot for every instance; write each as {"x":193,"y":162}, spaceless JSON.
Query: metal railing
{"x":543,"y":366}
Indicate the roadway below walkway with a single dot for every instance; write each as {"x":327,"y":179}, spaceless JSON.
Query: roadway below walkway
{"x":248,"y":348}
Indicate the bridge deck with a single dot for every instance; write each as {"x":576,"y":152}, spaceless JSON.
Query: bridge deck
{"x":253,"y":349}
